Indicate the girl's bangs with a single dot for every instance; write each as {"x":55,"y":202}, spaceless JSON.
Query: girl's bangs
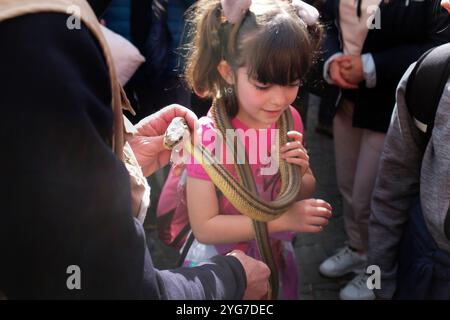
{"x":276,"y":56}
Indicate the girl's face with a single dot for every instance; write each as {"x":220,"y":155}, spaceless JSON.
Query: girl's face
{"x":261,"y":104}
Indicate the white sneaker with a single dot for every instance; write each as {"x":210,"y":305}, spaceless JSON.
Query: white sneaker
{"x":343,"y":262}
{"x":357,"y":289}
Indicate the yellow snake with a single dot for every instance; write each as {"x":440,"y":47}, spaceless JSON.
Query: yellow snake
{"x":243,"y":195}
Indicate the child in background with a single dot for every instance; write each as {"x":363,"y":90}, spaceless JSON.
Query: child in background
{"x":250,"y":62}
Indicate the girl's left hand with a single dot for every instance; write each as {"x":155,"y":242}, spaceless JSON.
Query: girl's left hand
{"x":294,"y":152}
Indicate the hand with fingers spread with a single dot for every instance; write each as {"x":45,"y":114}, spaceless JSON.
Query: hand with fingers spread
{"x":148,"y":145}
{"x":309,"y":215}
{"x":294,"y":152}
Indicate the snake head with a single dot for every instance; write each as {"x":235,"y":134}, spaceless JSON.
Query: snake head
{"x":174,"y":133}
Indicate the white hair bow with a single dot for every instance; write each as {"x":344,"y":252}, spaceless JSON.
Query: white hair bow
{"x":234,"y":10}
{"x":306,"y":12}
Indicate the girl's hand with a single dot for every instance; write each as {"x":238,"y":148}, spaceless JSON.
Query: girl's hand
{"x":309,"y":215}
{"x":294,"y":152}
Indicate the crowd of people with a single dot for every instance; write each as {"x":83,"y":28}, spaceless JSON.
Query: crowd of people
{"x":85,"y":113}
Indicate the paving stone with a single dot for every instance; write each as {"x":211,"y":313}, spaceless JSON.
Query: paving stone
{"x":326,"y":294}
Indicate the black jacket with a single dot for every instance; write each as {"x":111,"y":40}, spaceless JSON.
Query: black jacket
{"x":408,"y":29}
{"x":65,"y":197}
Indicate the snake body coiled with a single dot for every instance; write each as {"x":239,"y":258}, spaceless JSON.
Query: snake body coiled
{"x":242,"y":193}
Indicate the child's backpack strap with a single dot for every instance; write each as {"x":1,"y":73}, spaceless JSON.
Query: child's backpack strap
{"x":426,"y":85}
{"x":423,"y":94}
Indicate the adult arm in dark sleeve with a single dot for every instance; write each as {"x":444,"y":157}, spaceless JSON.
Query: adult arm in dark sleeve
{"x":391,"y":63}
{"x":65,"y":197}
{"x":396,"y":186}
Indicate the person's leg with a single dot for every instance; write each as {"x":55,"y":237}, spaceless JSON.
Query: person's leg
{"x":371,"y":147}
{"x":347,"y":141}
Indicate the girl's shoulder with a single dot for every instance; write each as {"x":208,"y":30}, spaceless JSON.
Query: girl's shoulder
{"x":208,"y":128}
{"x":206,"y":121}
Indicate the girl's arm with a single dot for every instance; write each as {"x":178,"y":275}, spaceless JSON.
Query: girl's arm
{"x":210,"y":227}
{"x":308,"y":186}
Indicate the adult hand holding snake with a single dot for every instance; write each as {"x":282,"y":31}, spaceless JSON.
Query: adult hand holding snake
{"x":148,"y":145}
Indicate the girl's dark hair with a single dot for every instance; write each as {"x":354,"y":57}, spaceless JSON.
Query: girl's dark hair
{"x":271,"y":41}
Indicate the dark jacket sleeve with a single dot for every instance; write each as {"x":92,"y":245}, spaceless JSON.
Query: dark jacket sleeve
{"x":391,"y":63}
{"x":222,"y":278}
{"x":331,"y":44}
{"x":65,"y":197}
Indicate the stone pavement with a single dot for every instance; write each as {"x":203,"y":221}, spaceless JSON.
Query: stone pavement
{"x":311,"y":249}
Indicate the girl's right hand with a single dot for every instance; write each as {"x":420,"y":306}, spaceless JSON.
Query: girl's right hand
{"x":309,"y":215}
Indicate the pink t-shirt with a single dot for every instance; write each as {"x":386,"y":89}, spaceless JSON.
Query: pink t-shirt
{"x":172,"y":202}
{"x":268,"y":186}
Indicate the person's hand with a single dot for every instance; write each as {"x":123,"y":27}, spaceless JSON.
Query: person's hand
{"x":147,"y":144}
{"x":351,"y":69}
{"x":446,"y":5}
{"x":294,"y":152}
{"x":257,"y":274}
{"x":309,"y":215}
{"x":336,"y":75}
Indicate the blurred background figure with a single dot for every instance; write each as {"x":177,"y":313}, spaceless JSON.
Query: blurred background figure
{"x":368,"y":47}
{"x":315,"y":84}
{"x":157,"y":29}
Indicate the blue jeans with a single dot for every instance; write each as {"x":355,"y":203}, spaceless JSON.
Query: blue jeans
{"x":424,"y":269}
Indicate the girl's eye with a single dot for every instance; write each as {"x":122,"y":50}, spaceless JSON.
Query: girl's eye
{"x":261,"y":86}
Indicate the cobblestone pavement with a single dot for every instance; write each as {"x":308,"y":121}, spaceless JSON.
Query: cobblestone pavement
{"x":311,"y":249}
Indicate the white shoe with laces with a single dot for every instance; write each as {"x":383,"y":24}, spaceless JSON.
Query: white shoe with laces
{"x":343,"y":262}
{"x":357,"y":289}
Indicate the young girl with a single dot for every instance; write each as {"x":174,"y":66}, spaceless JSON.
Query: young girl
{"x":250,"y":62}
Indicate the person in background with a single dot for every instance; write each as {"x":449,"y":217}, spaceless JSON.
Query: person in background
{"x":68,"y":201}
{"x":157,"y":29}
{"x":409,"y":228}
{"x":368,"y":47}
